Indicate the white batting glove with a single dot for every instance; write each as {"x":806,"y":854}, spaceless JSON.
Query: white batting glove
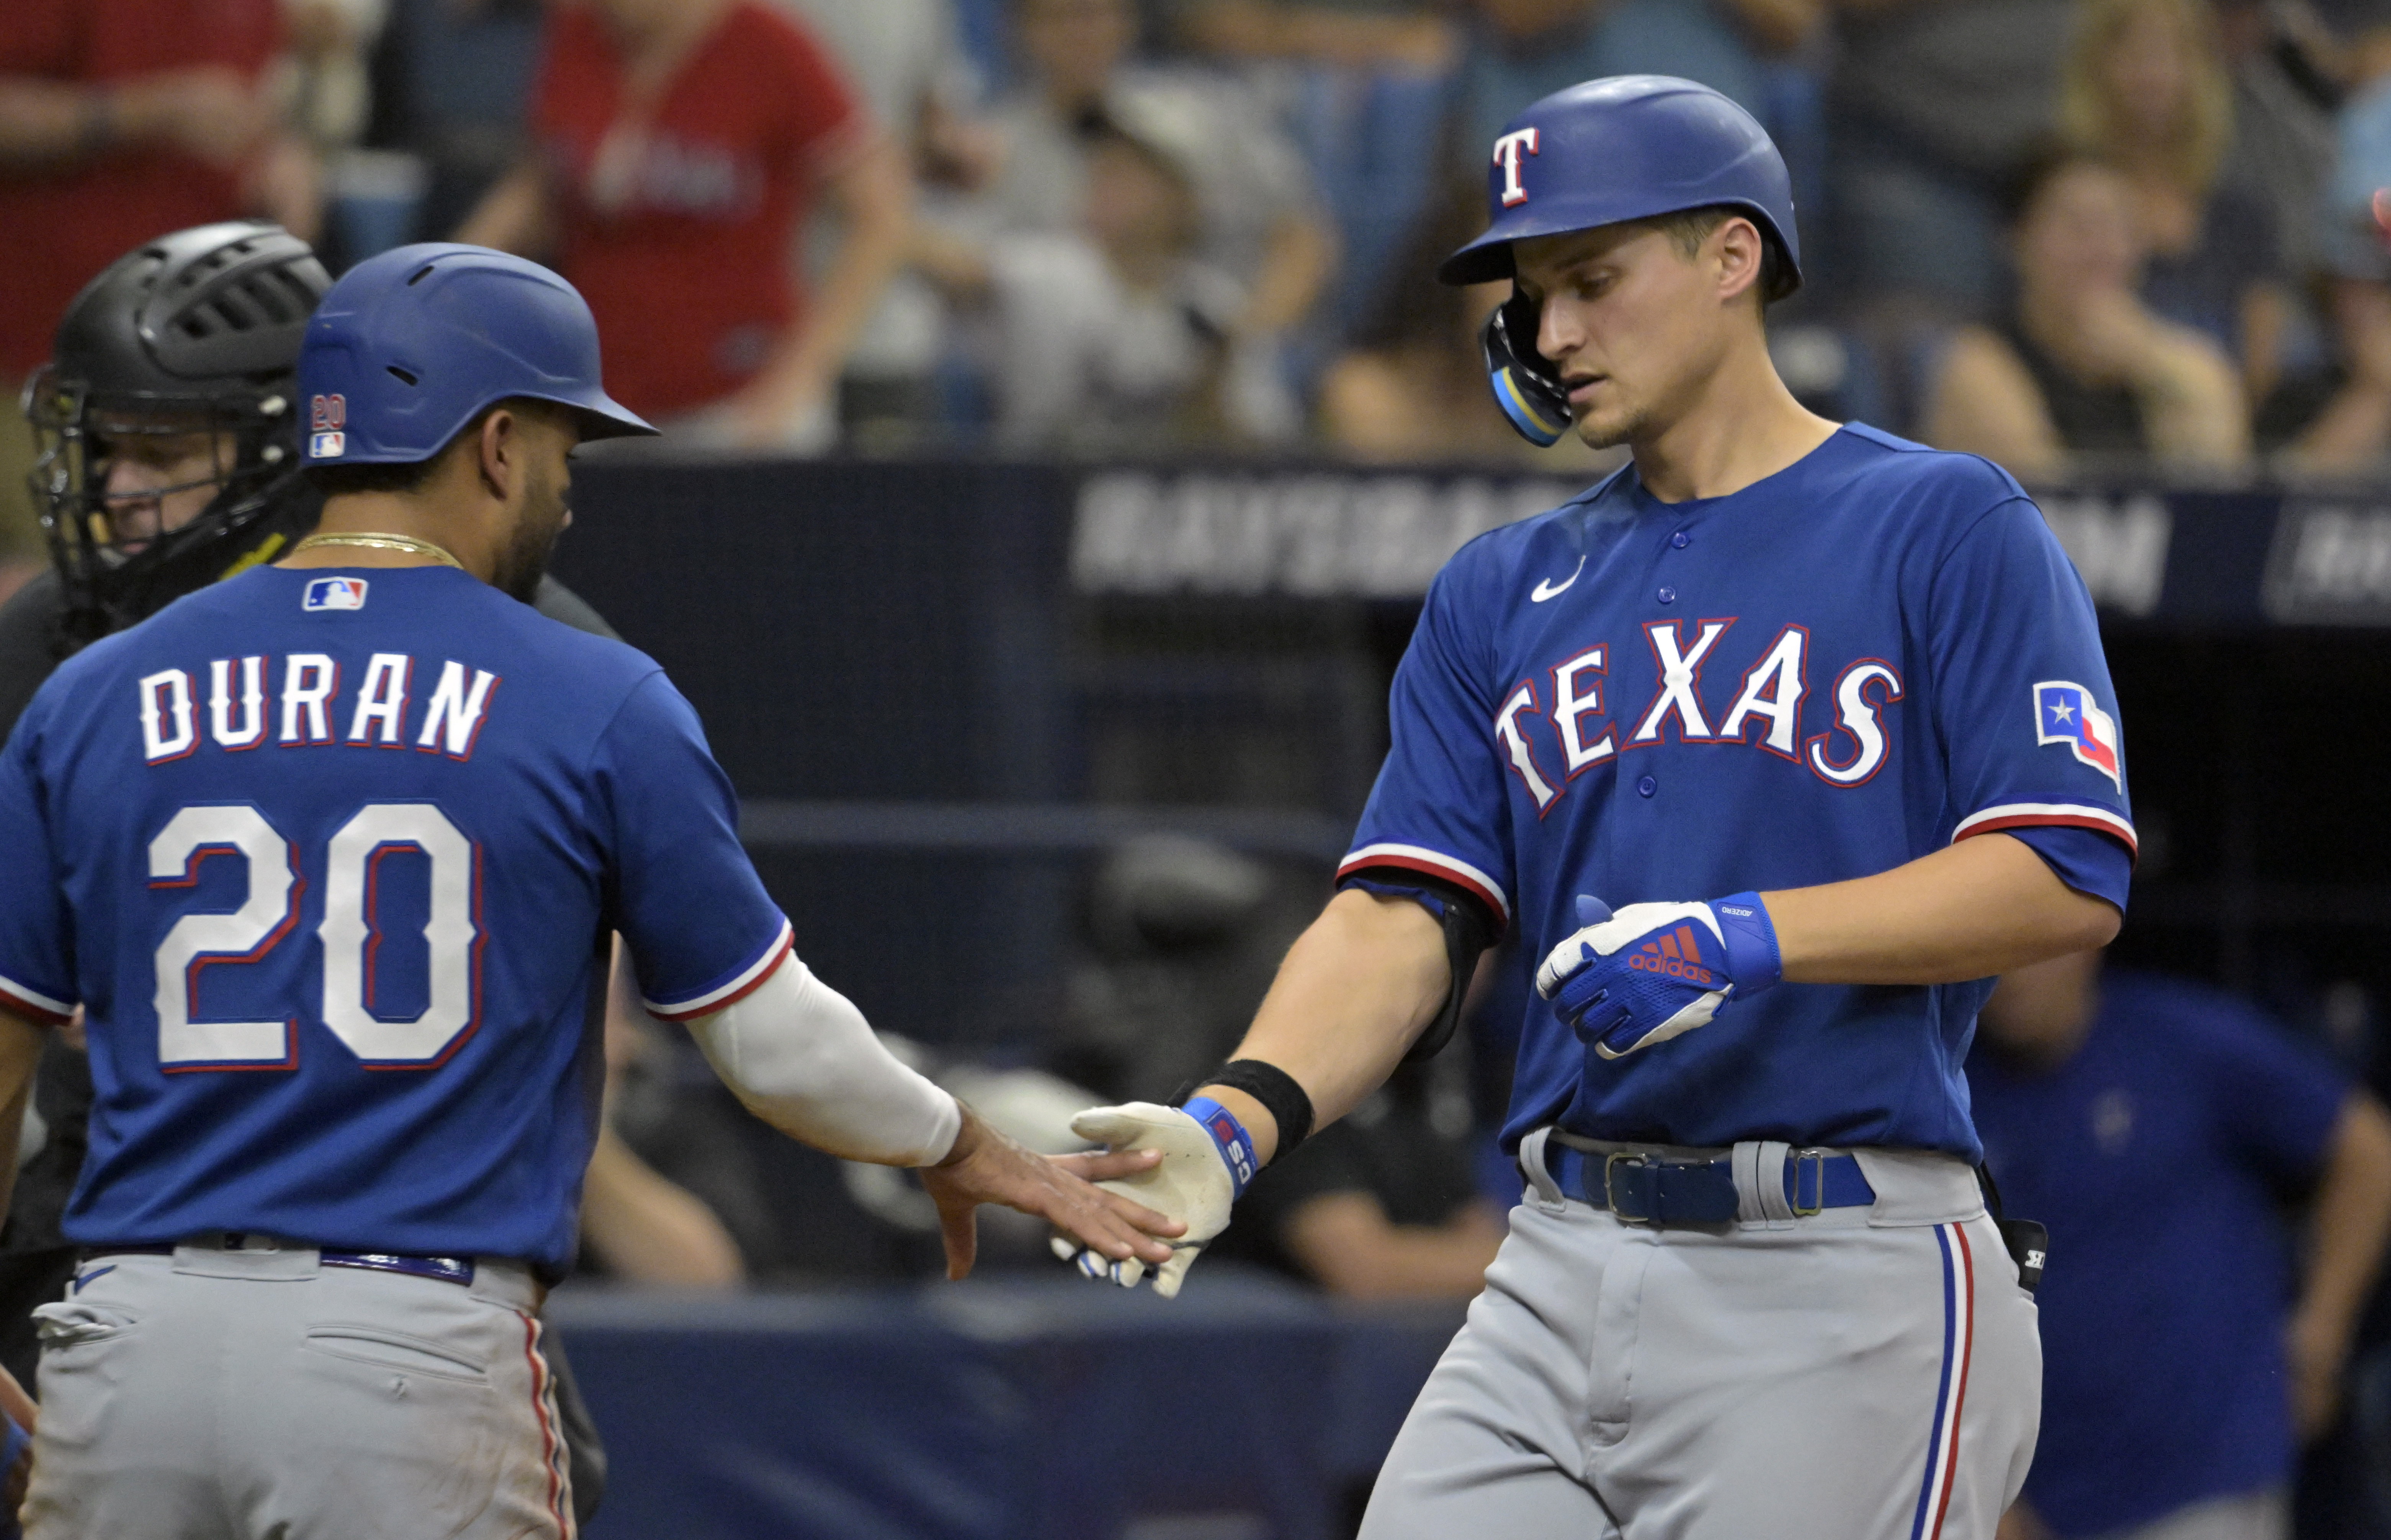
{"x":1194,"y":1183}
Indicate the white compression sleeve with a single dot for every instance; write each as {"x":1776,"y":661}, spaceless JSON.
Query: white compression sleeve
{"x":802,"y":1057}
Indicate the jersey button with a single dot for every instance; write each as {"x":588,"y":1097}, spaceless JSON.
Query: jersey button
{"x":1681,"y":539}
{"x":1668,"y":596}
{"x":1647,"y":785}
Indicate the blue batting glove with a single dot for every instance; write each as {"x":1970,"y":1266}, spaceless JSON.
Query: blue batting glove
{"x":1651,"y":972}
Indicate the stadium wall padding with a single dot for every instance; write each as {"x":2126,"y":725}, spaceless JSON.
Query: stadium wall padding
{"x":1009,"y":1410}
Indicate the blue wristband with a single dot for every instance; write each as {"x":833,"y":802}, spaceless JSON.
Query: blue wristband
{"x":1235,"y":1144}
{"x":1753,"y":960}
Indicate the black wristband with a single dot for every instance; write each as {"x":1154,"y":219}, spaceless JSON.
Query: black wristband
{"x":1287,"y":1102}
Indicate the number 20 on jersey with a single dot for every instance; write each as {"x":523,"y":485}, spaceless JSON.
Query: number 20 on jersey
{"x":349,"y":932}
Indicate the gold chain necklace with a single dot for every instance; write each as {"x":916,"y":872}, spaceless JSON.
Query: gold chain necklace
{"x":378,"y":541}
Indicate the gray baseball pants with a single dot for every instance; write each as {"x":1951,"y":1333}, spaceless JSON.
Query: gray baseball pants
{"x":1860,"y":1374}
{"x":256,"y":1394}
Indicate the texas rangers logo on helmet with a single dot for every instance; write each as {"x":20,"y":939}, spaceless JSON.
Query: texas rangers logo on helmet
{"x":2063,"y":712}
{"x":1506,"y":154}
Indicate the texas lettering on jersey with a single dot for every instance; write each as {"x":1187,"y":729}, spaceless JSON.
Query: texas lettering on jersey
{"x":297,"y":700}
{"x":1563,"y":716}
{"x":1849,"y":666}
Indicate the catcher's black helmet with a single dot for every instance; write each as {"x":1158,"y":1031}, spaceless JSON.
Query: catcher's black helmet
{"x":195,"y":333}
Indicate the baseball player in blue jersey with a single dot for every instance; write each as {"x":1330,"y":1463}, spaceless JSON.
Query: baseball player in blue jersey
{"x":1825,"y":714}
{"x":332,"y":854}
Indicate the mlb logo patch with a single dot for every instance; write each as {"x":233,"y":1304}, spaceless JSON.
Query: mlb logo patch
{"x":2063,"y":712}
{"x":335,"y":593}
{"x":327,"y":445}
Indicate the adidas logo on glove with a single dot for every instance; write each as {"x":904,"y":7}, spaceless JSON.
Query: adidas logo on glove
{"x":1675,"y":955}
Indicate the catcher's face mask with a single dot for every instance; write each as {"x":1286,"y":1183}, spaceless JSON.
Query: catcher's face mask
{"x":123,"y":483}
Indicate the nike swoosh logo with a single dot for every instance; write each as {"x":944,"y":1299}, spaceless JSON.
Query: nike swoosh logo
{"x":1548,"y":589}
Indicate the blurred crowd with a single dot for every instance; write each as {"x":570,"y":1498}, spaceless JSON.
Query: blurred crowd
{"x":2064,"y":233}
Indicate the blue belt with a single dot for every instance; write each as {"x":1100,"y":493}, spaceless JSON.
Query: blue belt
{"x":1645,"y":1190}
{"x":455,"y":1270}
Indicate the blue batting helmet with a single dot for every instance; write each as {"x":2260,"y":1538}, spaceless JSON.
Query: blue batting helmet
{"x":1627,"y":147}
{"x":410,"y":346}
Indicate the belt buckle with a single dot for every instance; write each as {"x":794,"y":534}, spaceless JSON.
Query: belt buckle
{"x":1611,"y":1162}
{"x":1816,"y":1160}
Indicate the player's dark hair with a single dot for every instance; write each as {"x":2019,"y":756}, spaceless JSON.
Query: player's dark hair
{"x":1688,"y":228}
{"x":340,"y":480}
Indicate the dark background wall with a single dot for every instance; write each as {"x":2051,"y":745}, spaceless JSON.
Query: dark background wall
{"x":935,"y":729}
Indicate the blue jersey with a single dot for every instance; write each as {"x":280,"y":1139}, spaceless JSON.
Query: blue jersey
{"x":1839,"y":669}
{"x":2158,"y":1154}
{"x":332,"y":861}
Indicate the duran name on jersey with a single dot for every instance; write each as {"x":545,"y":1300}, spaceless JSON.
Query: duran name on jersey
{"x":1845,"y":666}
{"x":247,"y":697}
{"x":334,"y":863}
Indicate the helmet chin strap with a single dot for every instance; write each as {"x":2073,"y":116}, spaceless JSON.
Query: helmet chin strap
{"x":1531,"y":395}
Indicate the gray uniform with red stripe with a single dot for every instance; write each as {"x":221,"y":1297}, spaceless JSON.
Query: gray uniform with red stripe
{"x":288,"y":1397}
{"x":1863,"y":1372}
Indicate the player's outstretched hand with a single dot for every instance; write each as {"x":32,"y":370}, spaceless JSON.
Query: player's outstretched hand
{"x":1653,"y":971}
{"x":1189,"y":1178}
{"x":986,"y":1166}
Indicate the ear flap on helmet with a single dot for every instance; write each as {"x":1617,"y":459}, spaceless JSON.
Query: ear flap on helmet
{"x":1524,"y":384}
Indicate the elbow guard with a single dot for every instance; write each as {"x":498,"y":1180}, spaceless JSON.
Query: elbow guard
{"x":802,"y":1057}
{"x":1469,"y":931}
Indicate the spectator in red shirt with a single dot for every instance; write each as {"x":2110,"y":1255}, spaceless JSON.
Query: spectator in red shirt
{"x":120,"y":120}
{"x":679,"y":146}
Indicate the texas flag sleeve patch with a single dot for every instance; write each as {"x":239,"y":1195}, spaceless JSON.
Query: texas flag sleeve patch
{"x":2063,"y":712}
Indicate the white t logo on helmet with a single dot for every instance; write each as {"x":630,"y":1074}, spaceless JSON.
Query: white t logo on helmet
{"x":1507,"y":155}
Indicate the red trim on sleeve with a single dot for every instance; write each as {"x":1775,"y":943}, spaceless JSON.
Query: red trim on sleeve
{"x":748,"y":984}
{"x":2124,"y":835}
{"x":33,"y":1008}
{"x":1492,"y":899}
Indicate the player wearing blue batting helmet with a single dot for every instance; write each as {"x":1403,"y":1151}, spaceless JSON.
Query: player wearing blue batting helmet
{"x":1847,"y":686}
{"x":1610,"y":152}
{"x":413,"y":350}
{"x":411,"y":345}
{"x":170,"y":435}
